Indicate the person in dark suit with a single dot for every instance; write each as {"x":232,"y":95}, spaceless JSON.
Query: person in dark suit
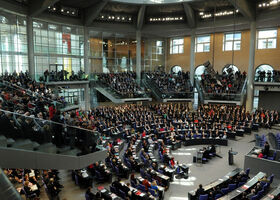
{"x":199,"y":191}
{"x":215,"y":191}
{"x":117,"y":184}
{"x":252,"y":193}
{"x":89,"y":193}
{"x":266,"y":149}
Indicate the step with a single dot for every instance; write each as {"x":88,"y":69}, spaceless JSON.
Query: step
{"x":48,"y":148}
{"x":63,"y":149}
{"x":10,"y":142}
{"x":72,"y":152}
{"x":276,"y":127}
{"x":36,"y":146}
{"x":3,"y":141}
{"x":23,"y":144}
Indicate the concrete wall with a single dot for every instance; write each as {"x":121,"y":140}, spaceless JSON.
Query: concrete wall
{"x":262,"y":165}
{"x":17,"y":158}
{"x":269,"y":100}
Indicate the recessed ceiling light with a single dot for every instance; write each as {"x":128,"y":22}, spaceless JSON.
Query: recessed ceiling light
{"x":62,"y":10}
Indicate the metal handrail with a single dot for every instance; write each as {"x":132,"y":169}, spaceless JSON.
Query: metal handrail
{"x":50,"y":121}
{"x":28,"y":92}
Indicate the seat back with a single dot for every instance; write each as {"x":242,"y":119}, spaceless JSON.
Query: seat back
{"x":241,"y":183}
{"x":274,"y":155}
{"x":247,"y":171}
{"x":271,"y":178}
{"x":225,"y":190}
{"x":142,"y":173}
{"x":76,"y":179}
{"x":265,"y":187}
{"x":203,"y":197}
{"x":87,"y":197}
{"x":153,"y":192}
{"x":141,"y":188}
{"x":218,"y":196}
{"x":260,"y":193}
{"x":113,"y":189}
{"x":232,"y":187}
{"x":133,"y":184}
{"x":122,"y":194}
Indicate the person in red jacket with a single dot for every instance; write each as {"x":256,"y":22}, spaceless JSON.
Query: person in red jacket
{"x":146,"y":183}
{"x":51,"y":111}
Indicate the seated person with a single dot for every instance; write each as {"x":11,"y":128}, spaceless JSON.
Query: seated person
{"x":117,"y":183}
{"x":154,"y":186}
{"x":146,"y":183}
{"x":264,"y":179}
{"x":214,"y":192}
{"x":199,"y":191}
{"x":266,"y":149}
{"x":89,"y":193}
{"x":52,"y":188}
{"x":133,"y":180}
{"x":251,"y":194}
{"x":172,"y":163}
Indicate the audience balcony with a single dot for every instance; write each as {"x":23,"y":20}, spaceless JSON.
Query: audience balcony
{"x":167,"y":96}
{"x":115,"y":96}
{"x":237,"y":98}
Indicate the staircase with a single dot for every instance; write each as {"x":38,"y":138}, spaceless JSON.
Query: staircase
{"x":108,"y":94}
{"x":112,"y":96}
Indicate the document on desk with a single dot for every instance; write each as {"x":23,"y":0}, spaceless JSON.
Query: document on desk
{"x":34,"y":187}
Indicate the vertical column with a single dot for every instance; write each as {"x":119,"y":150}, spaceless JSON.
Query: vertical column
{"x":86,"y":51}
{"x":149,"y":44}
{"x":192,"y":56}
{"x":250,"y":79}
{"x":165,"y":53}
{"x":138,"y":56}
{"x":87,"y":97}
{"x":86,"y":66}
{"x":30,"y":47}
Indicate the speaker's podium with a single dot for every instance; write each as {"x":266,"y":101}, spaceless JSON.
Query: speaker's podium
{"x":230,"y":156}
